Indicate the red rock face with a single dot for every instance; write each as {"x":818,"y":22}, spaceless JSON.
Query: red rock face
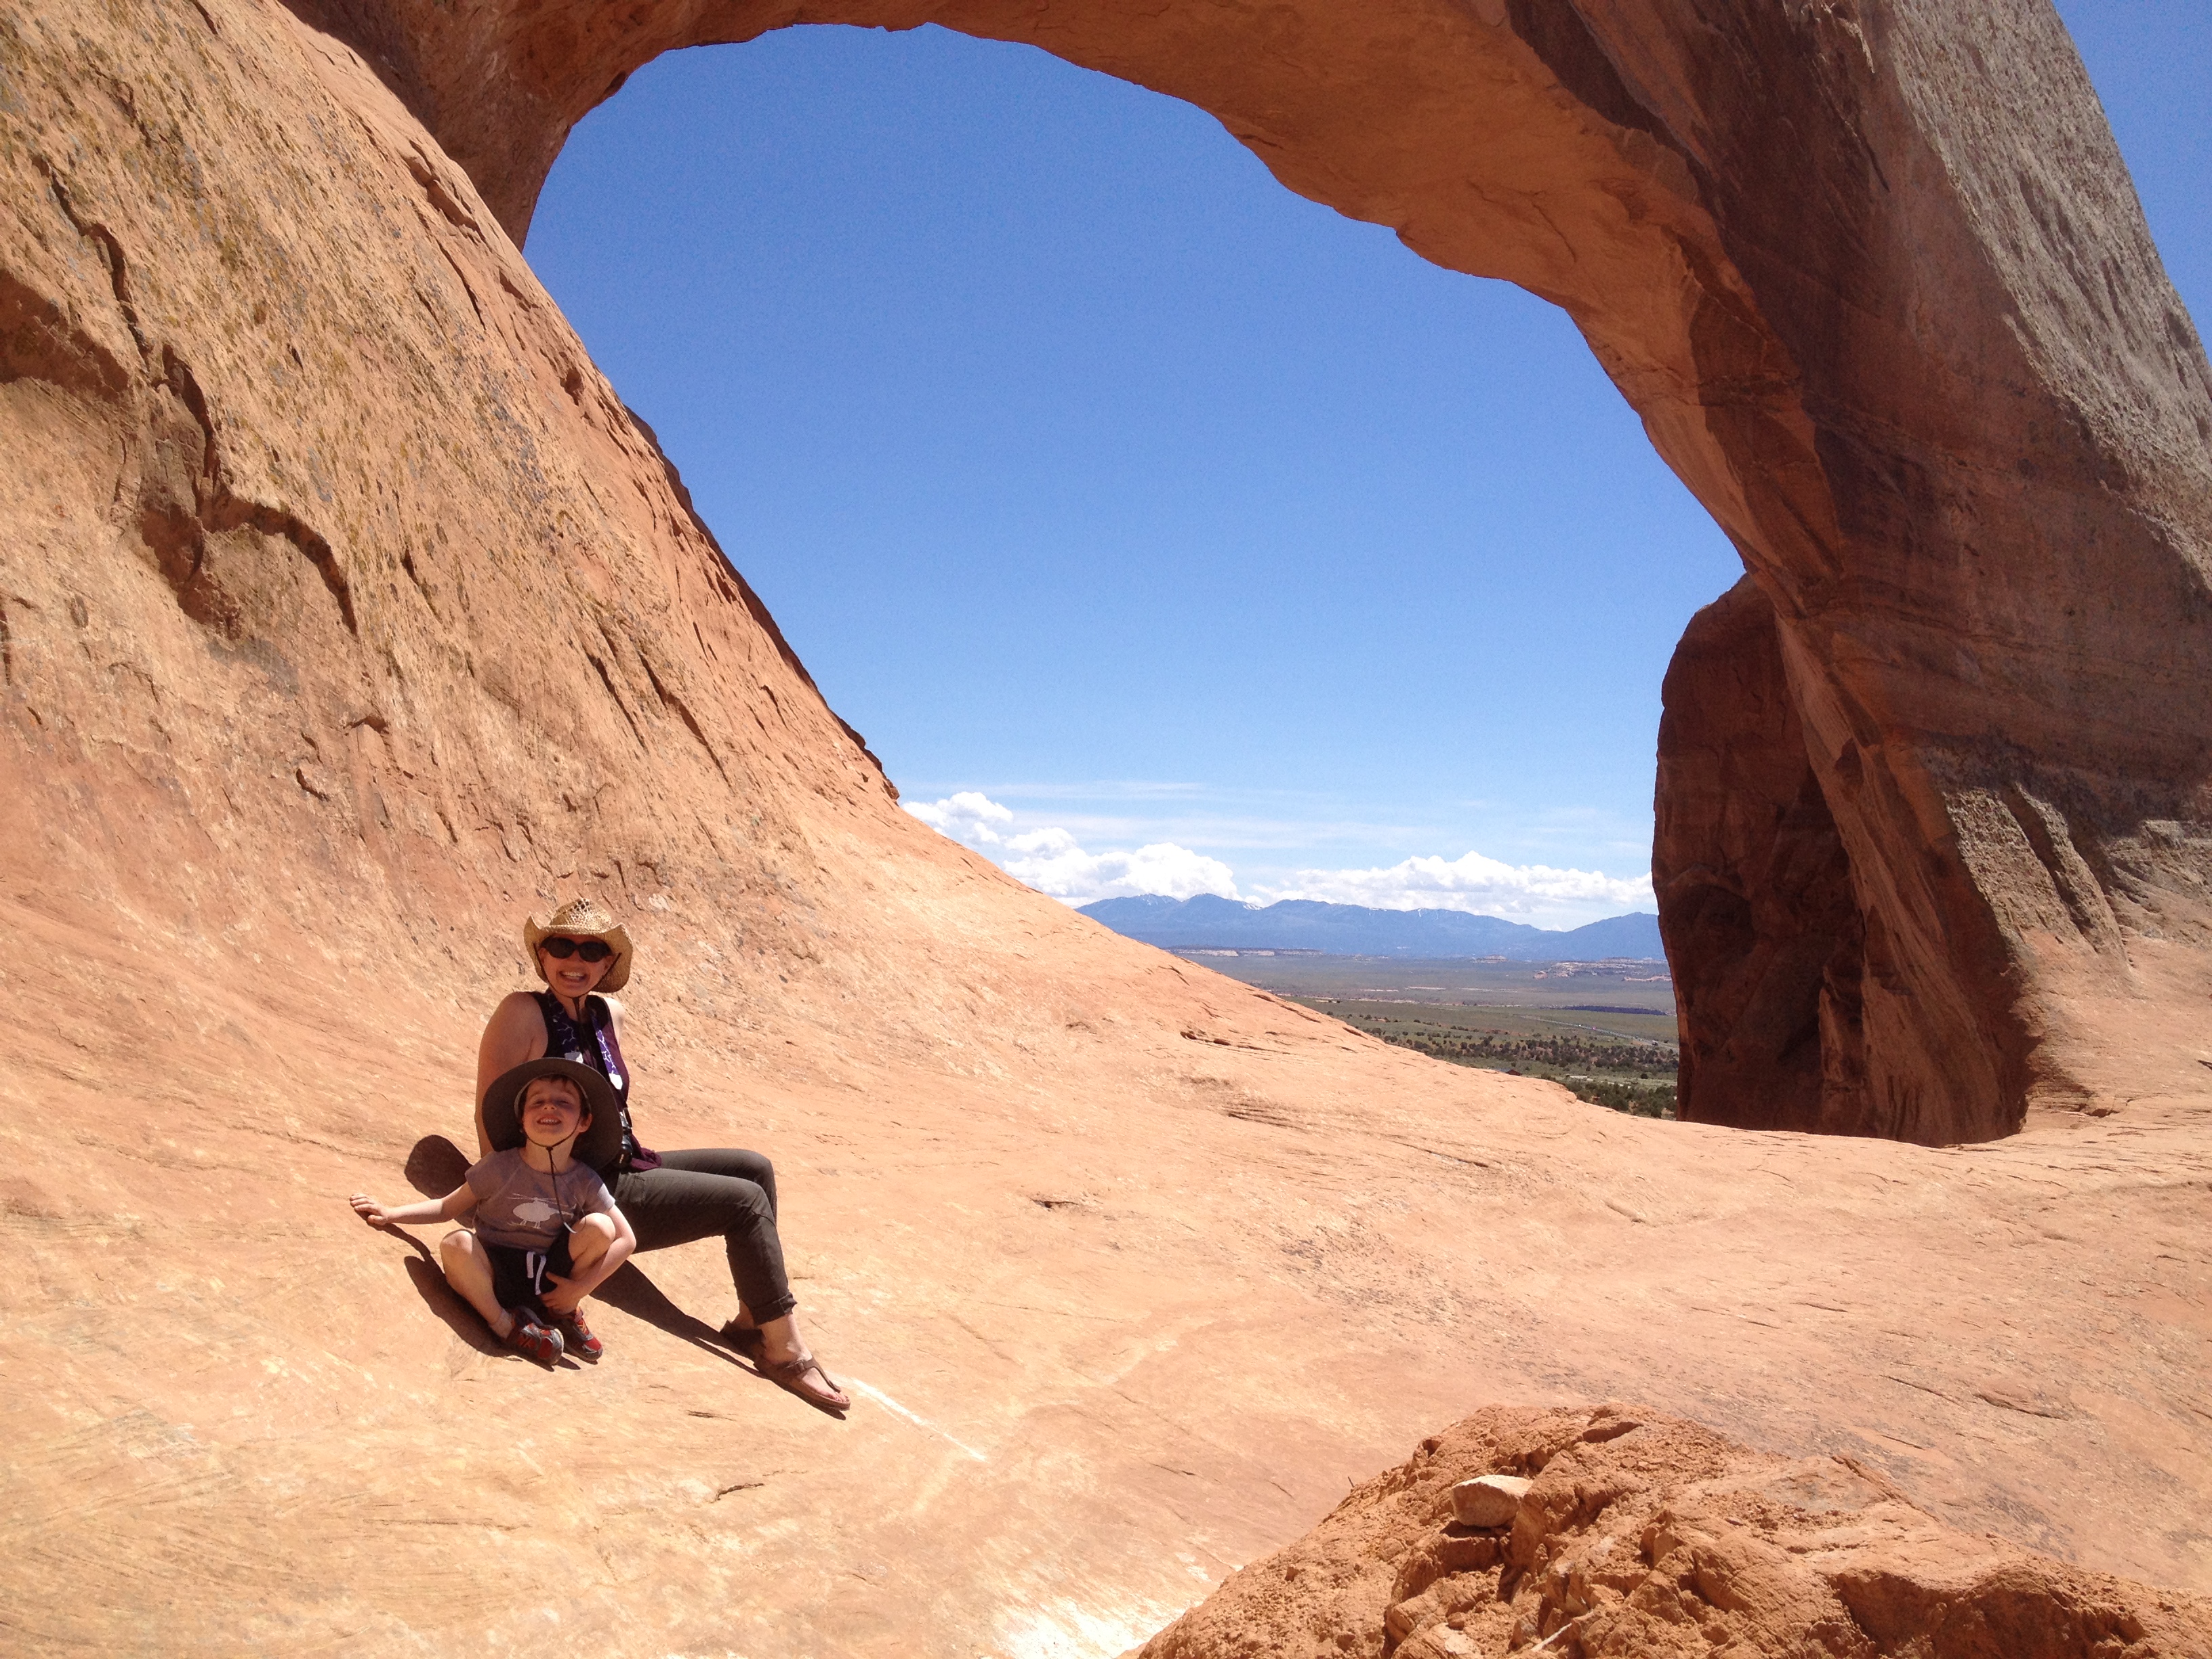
{"x":1755,"y":898}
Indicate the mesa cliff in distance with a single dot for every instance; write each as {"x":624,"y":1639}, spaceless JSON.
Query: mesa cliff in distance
{"x":1206,"y":919}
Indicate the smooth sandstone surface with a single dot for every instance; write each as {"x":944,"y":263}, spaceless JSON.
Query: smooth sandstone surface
{"x":346,"y":614}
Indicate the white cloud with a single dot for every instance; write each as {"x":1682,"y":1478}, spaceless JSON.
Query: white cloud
{"x":1481,"y":886}
{"x":1051,"y":860}
{"x":966,"y":817}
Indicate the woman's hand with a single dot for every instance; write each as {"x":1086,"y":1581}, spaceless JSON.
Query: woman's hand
{"x":369,"y":1210}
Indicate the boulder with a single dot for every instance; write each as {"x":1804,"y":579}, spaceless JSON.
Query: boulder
{"x":1488,"y":1500}
{"x":1756,"y":905}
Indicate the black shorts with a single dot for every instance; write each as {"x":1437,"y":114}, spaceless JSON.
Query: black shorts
{"x":519,"y":1277}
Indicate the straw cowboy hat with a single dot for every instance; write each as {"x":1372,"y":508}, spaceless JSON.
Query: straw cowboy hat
{"x":582,"y":919}
{"x":600,"y":1143}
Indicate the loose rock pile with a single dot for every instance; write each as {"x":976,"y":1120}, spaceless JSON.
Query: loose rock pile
{"x":1602,"y":1533}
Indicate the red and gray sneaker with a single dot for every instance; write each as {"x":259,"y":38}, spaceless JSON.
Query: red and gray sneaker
{"x":530,"y":1334}
{"x":577,"y":1336}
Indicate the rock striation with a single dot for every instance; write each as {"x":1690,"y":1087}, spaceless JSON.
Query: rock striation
{"x":346,"y":614}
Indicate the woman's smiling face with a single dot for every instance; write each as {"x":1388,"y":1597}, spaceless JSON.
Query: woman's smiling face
{"x":572,"y":976}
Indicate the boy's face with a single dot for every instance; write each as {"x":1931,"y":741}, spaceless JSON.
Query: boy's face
{"x":552,"y":1110}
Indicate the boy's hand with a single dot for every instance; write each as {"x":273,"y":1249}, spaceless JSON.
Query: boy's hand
{"x":368,"y":1210}
{"x":564,"y":1297}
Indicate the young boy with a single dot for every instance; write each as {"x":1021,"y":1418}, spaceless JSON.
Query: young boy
{"x":547,"y":1230}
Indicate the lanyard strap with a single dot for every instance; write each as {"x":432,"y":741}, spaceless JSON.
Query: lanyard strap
{"x":558,"y":1018}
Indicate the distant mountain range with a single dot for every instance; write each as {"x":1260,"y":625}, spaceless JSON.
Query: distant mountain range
{"x":1353,"y":930}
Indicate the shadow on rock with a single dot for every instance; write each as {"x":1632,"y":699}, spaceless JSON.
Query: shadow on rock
{"x":629,"y":1289}
{"x":442,"y":1300}
{"x":637,"y":1296}
{"x":436,"y":1166}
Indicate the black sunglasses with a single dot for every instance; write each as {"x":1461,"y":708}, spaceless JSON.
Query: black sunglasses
{"x":592,"y":950}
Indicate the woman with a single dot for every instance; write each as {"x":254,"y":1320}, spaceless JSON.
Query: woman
{"x":670,"y":1198}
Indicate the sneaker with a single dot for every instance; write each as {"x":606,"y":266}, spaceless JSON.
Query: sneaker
{"x":530,"y":1335}
{"x":576,"y":1335}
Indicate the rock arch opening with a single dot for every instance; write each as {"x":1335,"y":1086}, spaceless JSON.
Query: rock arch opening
{"x":1066,"y":445}
{"x":263,"y":345}
{"x":1874,"y":278}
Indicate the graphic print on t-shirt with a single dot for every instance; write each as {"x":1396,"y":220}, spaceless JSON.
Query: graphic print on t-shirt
{"x":515,"y":1208}
{"x":535,"y":1212}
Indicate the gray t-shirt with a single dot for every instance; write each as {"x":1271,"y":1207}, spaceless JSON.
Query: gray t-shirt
{"x":527,"y":1209}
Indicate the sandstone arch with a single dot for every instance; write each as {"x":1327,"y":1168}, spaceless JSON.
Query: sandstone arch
{"x":1875,"y":277}
{"x":345,"y":612}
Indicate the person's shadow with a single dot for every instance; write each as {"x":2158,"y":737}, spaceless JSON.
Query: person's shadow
{"x":436,"y":1167}
{"x":628,"y":1289}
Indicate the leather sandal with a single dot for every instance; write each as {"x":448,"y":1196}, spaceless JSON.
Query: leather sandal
{"x":791,"y":1376}
{"x":745,"y":1338}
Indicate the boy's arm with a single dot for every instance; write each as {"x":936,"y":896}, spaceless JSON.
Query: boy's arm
{"x":615,"y":1253}
{"x":459,"y":1202}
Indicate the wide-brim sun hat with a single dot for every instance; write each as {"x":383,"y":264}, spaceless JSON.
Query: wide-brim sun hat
{"x":582,"y":919}
{"x":598,"y":1146}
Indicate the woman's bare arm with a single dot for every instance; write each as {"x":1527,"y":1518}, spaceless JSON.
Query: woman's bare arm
{"x":516,"y":1033}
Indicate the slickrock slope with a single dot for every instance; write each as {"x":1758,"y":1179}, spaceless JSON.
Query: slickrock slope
{"x":345,"y":614}
{"x":1643,"y":1536}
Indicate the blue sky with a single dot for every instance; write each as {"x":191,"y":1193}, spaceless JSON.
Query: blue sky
{"x":1163,"y":531}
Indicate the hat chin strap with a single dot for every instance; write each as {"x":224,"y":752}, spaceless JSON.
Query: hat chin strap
{"x":549,"y":1146}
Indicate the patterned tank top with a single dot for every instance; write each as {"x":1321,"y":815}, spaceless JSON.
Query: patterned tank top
{"x":598,"y":1048}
